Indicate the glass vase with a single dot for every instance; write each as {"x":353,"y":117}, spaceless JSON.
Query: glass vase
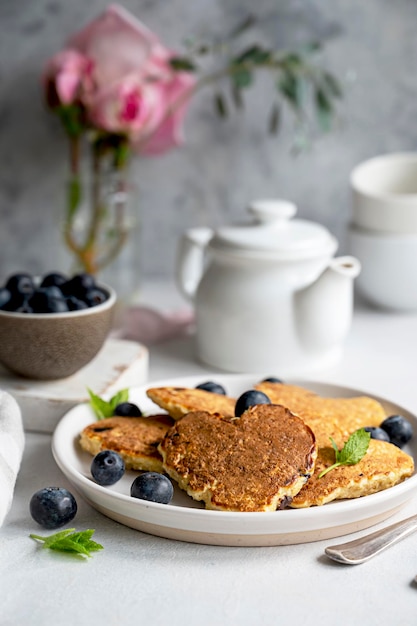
{"x":102,"y":226}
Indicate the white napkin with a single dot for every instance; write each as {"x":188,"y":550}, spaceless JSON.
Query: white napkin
{"x":11,"y":449}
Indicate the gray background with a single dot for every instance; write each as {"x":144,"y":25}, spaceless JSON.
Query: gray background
{"x":371,"y":46}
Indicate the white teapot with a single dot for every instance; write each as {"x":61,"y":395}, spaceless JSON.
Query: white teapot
{"x":269,"y":296}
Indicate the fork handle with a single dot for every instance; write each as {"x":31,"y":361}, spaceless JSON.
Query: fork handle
{"x":363,"y":549}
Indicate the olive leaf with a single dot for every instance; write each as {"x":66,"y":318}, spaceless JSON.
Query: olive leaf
{"x":237,"y":97}
{"x":243,"y":26}
{"x":332,"y":85}
{"x":183,"y":64}
{"x":324,"y":108}
{"x":241,"y":76}
{"x":255,"y":54}
{"x":274,"y":119}
{"x":291,"y":87}
{"x":220,"y":105}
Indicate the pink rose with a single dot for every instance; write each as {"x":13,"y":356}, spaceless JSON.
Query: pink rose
{"x":120,"y":45}
{"x":150,"y":113}
{"x":127,"y":106}
{"x":65,"y":75}
{"x":136,"y":91}
{"x":173,"y":96}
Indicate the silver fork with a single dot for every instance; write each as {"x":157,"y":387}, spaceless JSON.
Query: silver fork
{"x":363,"y":549}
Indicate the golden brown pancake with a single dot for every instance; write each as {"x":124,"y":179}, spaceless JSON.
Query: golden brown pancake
{"x":257,"y":462}
{"x":136,"y":439}
{"x":384,"y":465}
{"x":179,"y":401}
{"x":327,"y":417}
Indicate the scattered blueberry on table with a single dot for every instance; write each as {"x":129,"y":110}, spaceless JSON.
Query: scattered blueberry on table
{"x":107,"y":467}
{"x":53,"y":293}
{"x":52,"y":507}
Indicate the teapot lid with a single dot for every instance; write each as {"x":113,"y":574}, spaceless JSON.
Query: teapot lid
{"x":274,"y":233}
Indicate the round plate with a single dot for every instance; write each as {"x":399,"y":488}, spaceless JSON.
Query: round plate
{"x":187,"y":520}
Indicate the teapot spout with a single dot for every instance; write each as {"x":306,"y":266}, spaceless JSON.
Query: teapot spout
{"x":323,"y":310}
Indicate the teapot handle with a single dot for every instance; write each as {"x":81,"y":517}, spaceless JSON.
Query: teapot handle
{"x":190,"y":260}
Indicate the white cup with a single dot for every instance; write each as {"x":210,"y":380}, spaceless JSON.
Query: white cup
{"x":389,"y":268}
{"x":385,"y":194}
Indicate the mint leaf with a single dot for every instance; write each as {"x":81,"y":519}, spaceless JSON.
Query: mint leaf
{"x":119,"y":397}
{"x":352,"y":452}
{"x":103,"y":408}
{"x":70,"y":541}
{"x":334,"y":445}
{"x":355,"y":448}
{"x":55,"y":537}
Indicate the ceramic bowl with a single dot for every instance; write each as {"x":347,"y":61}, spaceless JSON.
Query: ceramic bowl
{"x":47,"y":346}
{"x":389,"y":268}
{"x":385,"y":194}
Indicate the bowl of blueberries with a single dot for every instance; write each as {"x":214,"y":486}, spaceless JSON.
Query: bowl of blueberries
{"x":53,"y":325}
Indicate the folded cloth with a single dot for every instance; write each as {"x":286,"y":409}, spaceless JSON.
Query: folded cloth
{"x":143,"y":324}
{"x":11,"y":449}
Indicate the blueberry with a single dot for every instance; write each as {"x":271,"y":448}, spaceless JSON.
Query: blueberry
{"x":107,"y":467}
{"x":24,"y":308}
{"x":5,"y":297}
{"x":96,"y":296}
{"x":53,"y":279}
{"x":57,"y":305}
{"x":213,"y":387}
{"x":272,"y":379}
{"x":127,"y":409}
{"x":53,"y":507}
{"x":78,"y":285}
{"x":248,"y":399}
{"x":45,"y":301}
{"x":56,"y":293}
{"x":377,"y":433}
{"x":398,"y":428}
{"x":152,"y":487}
{"x":75,"y":304}
{"x":16,"y":301}
{"x":20,"y":284}
{"x":53,"y":292}
{"x":38,"y":301}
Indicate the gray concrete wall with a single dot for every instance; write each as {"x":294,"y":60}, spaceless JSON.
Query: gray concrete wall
{"x":371,"y":45}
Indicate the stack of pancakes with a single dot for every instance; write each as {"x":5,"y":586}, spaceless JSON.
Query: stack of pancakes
{"x":267,"y":459}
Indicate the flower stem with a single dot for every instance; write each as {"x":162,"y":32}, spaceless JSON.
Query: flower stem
{"x":90,"y":257}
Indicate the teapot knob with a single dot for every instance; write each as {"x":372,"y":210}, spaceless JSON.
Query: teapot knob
{"x":272,"y":211}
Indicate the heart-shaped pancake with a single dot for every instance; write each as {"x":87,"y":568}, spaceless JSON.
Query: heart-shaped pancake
{"x":257,"y":462}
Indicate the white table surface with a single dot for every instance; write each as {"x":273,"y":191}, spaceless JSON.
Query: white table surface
{"x":141,"y":579}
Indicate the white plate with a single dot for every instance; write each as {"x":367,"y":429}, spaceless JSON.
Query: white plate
{"x":187,"y":520}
